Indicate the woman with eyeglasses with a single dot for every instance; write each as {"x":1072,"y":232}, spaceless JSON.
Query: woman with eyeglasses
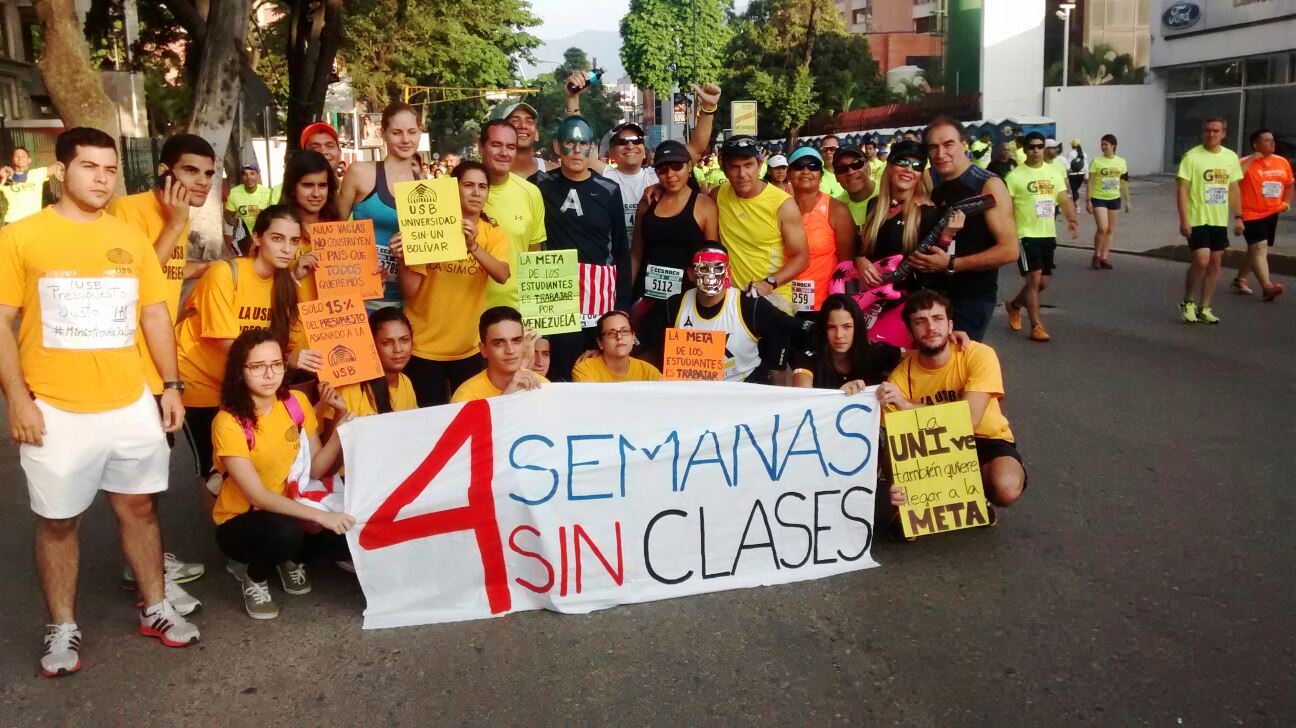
{"x":257,"y":291}
{"x":614,"y":363}
{"x":900,"y":215}
{"x":776,"y":173}
{"x":265,"y":442}
{"x":830,"y":232}
{"x":669,"y":230}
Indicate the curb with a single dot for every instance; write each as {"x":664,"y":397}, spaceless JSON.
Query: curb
{"x":1279,"y":263}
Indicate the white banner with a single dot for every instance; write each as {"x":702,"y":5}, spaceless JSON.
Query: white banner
{"x":578,"y":497}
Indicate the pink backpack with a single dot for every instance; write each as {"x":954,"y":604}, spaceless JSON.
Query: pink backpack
{"x":294,"y":411}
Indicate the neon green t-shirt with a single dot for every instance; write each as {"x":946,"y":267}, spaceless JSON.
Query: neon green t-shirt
{"x":1209,"y":175}
{"x":247,"y":205}
{"x":1105,"y":176}
{"x":981,"y":154}
{"x":858,"y":210}
{"x":829,"y":185}
{"x":24,"y":197}
{"x":1036,"y":192}
{"x":276,"y":193}
{"x":517,"y":208}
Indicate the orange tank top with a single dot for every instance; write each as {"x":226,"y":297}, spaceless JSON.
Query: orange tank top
{"x":822,"y":241}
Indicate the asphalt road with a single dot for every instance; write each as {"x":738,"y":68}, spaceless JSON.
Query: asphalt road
{"x":1145,"y":577}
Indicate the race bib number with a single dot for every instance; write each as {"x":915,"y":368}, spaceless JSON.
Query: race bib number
{"x":1044,"y":209}
{"x":1111,"y":184}
{"x":662,"y":281}
{"x":803,"y":295}
{"x":386,"y":264}
{"x":1216,"y":195}
{"x":1271,"y":190}
{"x":88,"y":313}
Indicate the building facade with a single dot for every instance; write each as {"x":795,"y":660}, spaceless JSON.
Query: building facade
{"x":899,"y":32}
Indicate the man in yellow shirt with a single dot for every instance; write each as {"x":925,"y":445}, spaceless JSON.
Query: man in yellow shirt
{"x":83,"y":283}
{"x":614,"y":363}
{"x":938,"y":371}
{"x":247,"y":200}
{"x":503,"y":349}
{"x":1207,"y":192}
{"x":512,"y":202}
{"x":22,"y":187}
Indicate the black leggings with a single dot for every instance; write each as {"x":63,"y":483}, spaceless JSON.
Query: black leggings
{"x":435,"y":381}
{"x":262,"y":539}
{"x":1077,"y":181}
{"x":197,"y":427}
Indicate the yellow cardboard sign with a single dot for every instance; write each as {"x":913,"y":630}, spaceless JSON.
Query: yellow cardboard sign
{"x":743,"y":116}
{"x":934,"y":461}
{"x":431,"y":226}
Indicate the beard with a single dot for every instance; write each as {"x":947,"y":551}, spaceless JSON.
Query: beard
{"x":932,"y":350}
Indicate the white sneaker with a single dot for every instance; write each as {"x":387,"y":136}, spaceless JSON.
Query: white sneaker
{"x":182,"y":572}
{"x":165,"y":623}
{"x":62,"y":650}
{"x":183,"y":602}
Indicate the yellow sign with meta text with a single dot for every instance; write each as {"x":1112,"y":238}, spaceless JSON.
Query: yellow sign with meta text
{"x":431,"y":224}
{"x":934,"y":462}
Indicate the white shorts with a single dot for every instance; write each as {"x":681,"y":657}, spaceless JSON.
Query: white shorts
{"x":120,"y":451}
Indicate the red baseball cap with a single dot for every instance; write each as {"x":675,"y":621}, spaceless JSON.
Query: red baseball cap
{"x":313,"y":129}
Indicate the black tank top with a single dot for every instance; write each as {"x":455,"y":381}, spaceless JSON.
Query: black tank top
{"x":669,"y":241}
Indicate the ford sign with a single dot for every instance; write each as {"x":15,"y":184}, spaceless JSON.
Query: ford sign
{"x":1181,"y":15}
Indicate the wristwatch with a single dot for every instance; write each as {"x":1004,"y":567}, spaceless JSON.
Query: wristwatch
{"x":772,"y":281}
{"x":177,"y":385}
{"x":949,"y":269}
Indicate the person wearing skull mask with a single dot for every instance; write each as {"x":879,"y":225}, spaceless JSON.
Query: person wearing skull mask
{"x":757,"y":332}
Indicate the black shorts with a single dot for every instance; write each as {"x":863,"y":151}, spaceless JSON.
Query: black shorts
{"x":1109,"y":204}
{"x":989,"y":448}
{"x":1263,"y":230}
{"x":1214,"y":237}
{"x":1037,"y":254}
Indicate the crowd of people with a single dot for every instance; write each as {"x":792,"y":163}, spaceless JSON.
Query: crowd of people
{"x":111,"y":359}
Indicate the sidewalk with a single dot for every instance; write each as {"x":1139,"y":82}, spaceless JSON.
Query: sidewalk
{"x":1153,"y":228}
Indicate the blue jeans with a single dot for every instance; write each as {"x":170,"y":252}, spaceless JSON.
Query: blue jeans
{"x":972,"y":316}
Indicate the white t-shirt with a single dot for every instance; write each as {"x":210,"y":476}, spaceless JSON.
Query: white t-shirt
{"x":632,"y":189}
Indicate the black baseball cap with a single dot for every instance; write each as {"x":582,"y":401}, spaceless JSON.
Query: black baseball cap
{"x":908,"y":149}
{"x":627,"y":125}
{"x":847,"y":150}
{"x":670,"y":152}
{"x":742,"y":145}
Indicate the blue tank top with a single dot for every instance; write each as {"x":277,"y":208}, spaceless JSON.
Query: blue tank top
{"x":380,"y":207}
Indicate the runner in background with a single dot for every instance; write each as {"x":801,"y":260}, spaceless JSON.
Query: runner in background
{"x":1004,"y":162}
{"x":828,"y":147}
{"x":583,"y":212}
{"x":1077,"y":169}
{"x":856,"y":177}
{"x":23,"y":188}
{"x":1108,"y":183}
{"x":79,"y":406}
{"x":257,"y":291}
{"x":263,"y":437}
{"x":1053,"y":155}
{"x":513,"y":203}
{"x":312,"y":195}
{"x":246,"y":200}
{"x":760,"y":227}
{"x":616,"y":338}
{"x":1019,"y":144}
{"x":982,"y":149}
{"x":1038,"y":189}
{"x":1207,"y":193}
{"x":1266,"y":190}
{"x":776,"y":173}
{"x":840,"y":356}
{"x":444,"y":300}
{"x":831,"y":234}
{"x":669,"y":230}
{"x":368,"y":191}
{"x":503,"y":348}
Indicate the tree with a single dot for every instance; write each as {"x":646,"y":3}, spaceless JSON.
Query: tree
{"x":73,"y":82}
{"x":598,"y":103}
{"x":1100,"y":65}
{"x":314,"y":35}
{"x":845,"y":75}
{"x":673,"y":43}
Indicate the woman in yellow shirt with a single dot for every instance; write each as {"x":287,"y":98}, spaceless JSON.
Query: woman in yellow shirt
{"x":257,"y":291}
{"x":265,"y":442}
{"x":310,"y":190}
{"x":392,"y":392}
{"x":444,"y":300}
{"x":614,"y":363}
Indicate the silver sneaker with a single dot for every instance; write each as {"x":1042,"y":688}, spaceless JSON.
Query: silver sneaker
{"x":184,"y":603}
{"x":182,"y":572}
{"x":257,"y":600}
{"x":62,"y":650}
{"x":165,"y":623}
{"x":293,"y":578}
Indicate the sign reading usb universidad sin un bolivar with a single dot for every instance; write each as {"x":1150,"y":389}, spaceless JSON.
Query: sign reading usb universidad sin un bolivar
{"x":430,"y":224}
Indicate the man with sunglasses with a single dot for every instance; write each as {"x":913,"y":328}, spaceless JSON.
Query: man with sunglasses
{"x":627,"y":151}
{"x":757,"y":332}
{"x":855,"y":175}
{"x":828,"y":185}
{"x":614,"y":364}
{"x":985,"y":243}
{"x":760,"y":226}
{"x":584,"y":212}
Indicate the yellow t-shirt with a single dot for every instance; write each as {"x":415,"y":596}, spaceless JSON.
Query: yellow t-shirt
{"x":359,"y":403}
{"x":218,"y":310}
{"x":1036,"y":192}
{"x":1209,"y":175}
{"x":750,"y":232}
{"x":25,"y":197}
{"x":876,"y":168}
{"x":1020,"y":155}
{"x":596,"y":370}
{"x":247,"y":205}
{"x":981,"y":153}
{"x":449,"y":303}
{"x":79,"y":288}
{"x":518,"y":209}
{"x":974,"y":368}
{"x":1105,"y":178}
{"x":276,"y":440}
{"x":480,"y":387}
{"x":144,"y":211}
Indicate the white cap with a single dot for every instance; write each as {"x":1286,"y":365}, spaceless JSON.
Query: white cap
{"x":1052,"y":143}
{"x":778,"y":160}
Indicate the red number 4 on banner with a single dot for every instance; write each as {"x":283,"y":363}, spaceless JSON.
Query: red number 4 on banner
{"x":472,"y":426}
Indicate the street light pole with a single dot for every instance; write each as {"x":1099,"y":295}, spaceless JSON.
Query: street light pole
{"x":1064,"y":13}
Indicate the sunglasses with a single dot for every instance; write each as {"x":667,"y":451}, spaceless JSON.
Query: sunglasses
{"x":740,"y":144}
{"x":670,"y":166}
{"x":623,"y":141}
{"x":849,"y":167}
{"x":828,"y":149}
{"x":806,"y":165}
{"x":914,"y":164}
{"x":1034,"y":146}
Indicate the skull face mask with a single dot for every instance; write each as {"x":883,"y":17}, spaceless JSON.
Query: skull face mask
{"x":711,"y":271}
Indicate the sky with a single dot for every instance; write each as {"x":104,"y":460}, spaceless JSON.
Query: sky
{"x":566,"y":17}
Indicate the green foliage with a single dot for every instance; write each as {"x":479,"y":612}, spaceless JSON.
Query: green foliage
{"x":674,"y":42}
{"x":1100,"y":65}
{"x":598,"y":103}
{"x":845,"y":75}
{"x":168,"y":92}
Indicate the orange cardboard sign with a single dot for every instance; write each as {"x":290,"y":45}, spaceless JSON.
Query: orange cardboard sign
{"x":348,"y":260}
{"x":691,"y":355}
{"x":339,"y":329}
